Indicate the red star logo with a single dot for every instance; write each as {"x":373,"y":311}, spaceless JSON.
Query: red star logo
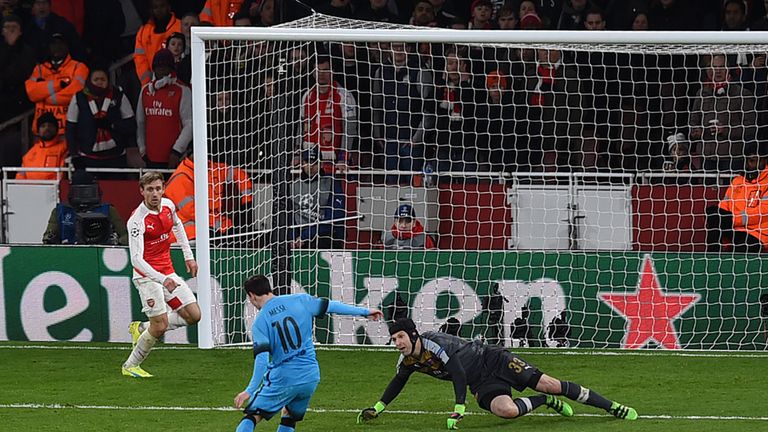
{"x":649,"y":311}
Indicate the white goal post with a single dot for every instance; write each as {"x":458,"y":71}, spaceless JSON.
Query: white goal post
{"x":615,"y":295}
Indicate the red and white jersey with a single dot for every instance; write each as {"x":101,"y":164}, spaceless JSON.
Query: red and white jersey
{"x":164,"y":119}
{"x":334,"y":111}
{"x":150,"y":240}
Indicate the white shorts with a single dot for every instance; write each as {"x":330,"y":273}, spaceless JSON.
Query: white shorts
{"x":157,"y":300}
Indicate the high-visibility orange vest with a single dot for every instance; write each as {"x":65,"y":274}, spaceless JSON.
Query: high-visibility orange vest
{"x":748,"y":202}
{"x":220,"y":12}
{"x":44,"y":88}
{"x":148,"y":43}
{"x":49,"y":154}
{"x":180,"y":189}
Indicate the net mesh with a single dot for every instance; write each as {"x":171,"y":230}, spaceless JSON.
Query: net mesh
{"x":531,"y":194}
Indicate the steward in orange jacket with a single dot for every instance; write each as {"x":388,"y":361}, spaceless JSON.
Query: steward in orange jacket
{"x":152,"y":36}
{"x":49,"y":151}
{"x":53,"y":83}
{"x":230,"y":195}
{"x":743,"y":213}
{"x":220,"y":12}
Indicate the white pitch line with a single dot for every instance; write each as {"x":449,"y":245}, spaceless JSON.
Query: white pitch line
{"x":350,"y":411}
{"x":590,"y":352}
{"x":353,"y":348}
{"x":90,"y":348}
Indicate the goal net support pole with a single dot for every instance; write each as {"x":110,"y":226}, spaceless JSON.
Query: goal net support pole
{"x":202,"y":242}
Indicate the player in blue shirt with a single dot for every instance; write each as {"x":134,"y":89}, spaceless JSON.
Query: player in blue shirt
{"x":285,"y":369}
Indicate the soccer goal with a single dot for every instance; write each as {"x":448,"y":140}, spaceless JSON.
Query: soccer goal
{"x":561,"y":181}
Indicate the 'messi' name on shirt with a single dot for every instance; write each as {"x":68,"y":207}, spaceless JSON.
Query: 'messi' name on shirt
{"x":276,"y":310}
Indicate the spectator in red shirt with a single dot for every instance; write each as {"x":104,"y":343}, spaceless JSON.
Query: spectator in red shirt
{"x":329,"y":106}
{"x":164,"y":115}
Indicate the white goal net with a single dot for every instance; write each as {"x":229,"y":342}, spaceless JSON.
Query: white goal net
{"x":542,"y":189}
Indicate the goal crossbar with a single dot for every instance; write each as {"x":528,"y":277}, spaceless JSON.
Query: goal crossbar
{"x":480,"y":36}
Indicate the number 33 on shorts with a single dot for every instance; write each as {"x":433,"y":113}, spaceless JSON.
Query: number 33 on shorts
{"x":517,"y":365}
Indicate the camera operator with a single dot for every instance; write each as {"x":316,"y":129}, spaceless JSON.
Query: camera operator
{"x":85,"y":219}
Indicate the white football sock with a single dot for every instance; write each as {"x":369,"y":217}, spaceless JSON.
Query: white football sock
{"x":175,"y":321}
{"x":141,"y":351}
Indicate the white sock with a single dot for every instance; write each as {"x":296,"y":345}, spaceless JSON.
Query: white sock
{"x":141,"y":351}
{"x":175,"y":321}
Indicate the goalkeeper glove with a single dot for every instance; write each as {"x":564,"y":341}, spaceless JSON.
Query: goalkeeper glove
{"x":455,"y":418}
{"x":370,"y":413}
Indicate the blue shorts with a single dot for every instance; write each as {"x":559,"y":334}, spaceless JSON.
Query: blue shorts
{"x":270,"y":399}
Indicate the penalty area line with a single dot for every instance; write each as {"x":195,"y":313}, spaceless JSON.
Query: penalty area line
{"x":354,"y":411}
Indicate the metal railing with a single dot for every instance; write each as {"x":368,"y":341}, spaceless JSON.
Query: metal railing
{"x":572,"y":181}
{"x":23,"y":120}
{"x":637,"y":178}
{"x":648,"y":177}
{"x":114,"y":67}
{"x":65,"y":172}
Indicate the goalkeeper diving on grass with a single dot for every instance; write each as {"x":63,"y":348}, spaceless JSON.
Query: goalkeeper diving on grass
{"x":285,"y":368}
{"x":488,"y":370}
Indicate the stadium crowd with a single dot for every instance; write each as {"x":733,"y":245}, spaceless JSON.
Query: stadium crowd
{"x":115,"y":75}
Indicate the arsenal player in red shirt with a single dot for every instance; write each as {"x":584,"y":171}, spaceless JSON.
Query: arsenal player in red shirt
{"x":165,"y":298}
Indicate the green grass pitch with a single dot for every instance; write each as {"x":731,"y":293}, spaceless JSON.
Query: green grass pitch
{"x":65,"y":387}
